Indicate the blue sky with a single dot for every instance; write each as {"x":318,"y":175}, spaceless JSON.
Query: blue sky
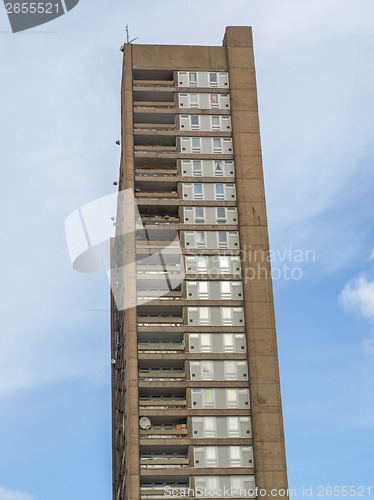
{"x":60,"y":118}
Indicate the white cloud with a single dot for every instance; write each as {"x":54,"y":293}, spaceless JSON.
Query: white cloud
{"x":6,"y":494}
{"x":358,"y":296}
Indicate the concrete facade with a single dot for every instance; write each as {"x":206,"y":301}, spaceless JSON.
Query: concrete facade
{"x":195,"y":379}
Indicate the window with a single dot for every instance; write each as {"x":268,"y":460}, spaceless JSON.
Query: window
{"x":192,"y":79}
{"x":213,"y":80}
{"x":197,"y":191}
{"x":232,"y":398}
{"x":194,"y":100}
{"x":230,"y":370}
{"x":235,"y":456}
{"x":202,"y":265}
{"x":196,"y":166}
{"x":211,"y":483}
{"x":211,"y":456}
{"x":199,"y":214}
{"x":206,"y":342}
{"x":224,"y":264}
{"x":195,"y":122}
{"x":220,"y":192}
{"x":204,"y":316}
{"x":196,"y":146}
{"x":203,"y":290}
{"x":222,"y":239}
{"x":225,"y":290}
{"x":217,"y":145}
{"x":207,"y":370}
{"x":227,"y":316}
{"x":236,"y":484}
{"x":214,"y":101}
{"x":221,"y":214}
{"x":233,"y":428}
{"x":208,"y":399}
{"x":200,"y":239}
{"x":216,"y":123}
{"x":228,"y":342}
{"x":218,"y":169}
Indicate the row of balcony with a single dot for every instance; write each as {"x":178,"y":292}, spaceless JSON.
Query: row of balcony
{"x":163,"y":167}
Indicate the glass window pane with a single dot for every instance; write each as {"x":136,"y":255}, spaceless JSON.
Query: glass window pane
{"x":221,"y":213}
{"x":222,"y":236}
{"x":211,"y":483}
{"x":213,"y":77}
{"x":233,"y":423}
{"x":197,"y":166}
{"x":194,"y":120}
{"x":208,"y":395}
{"x":201,"y":262}
{"x":193,"y":77}
{"x":232,"y":396}
{"x":224,"y":262}
{"x":199,"y":212}
{"x":204,"y":313}
{"x":200,"y":236}
{"x":226,"y":312}
{"x":206,"y":340}
{"x":228,"y":340}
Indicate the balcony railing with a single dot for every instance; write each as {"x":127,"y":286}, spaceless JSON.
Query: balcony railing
{"x":158,"y":195}
{"x":162,"y":404}
{"x":159,"y":348}
{"x":154,"y":104}
{"x":164,"y":433}
{"x":150,"y":171}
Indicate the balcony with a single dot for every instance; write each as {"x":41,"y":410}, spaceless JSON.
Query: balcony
{"x":160,"y":315}
{"x":167,"y":456}
{"x":153,"y":77}
{"x":154,"y":121}
{"x":152,"y":267}
{"x":169,"y":342}
{"x":157,"y":238}
{"x":155,"y":167}
{"x":165,"y":428}
{"x":154,"y":370}
{"x":157,"y":214}
{"x":155,"y":143}
{"x":161,"y":398}
{"x":153,"y":487}
{"x":154,"y":98}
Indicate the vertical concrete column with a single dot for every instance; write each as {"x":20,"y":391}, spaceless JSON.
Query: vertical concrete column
{"x":267,"y":421}
{"x":129,"y":278}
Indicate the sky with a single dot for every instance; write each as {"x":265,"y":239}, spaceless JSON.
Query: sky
{"x":60,"y":118}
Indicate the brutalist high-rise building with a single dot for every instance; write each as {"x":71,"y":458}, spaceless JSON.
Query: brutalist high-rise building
{"x":195,"y":379}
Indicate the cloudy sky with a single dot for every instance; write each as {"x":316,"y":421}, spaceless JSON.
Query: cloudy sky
{"x":60,"y":118}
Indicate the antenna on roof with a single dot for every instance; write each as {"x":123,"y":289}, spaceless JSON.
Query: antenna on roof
{"x":128,"y":35}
